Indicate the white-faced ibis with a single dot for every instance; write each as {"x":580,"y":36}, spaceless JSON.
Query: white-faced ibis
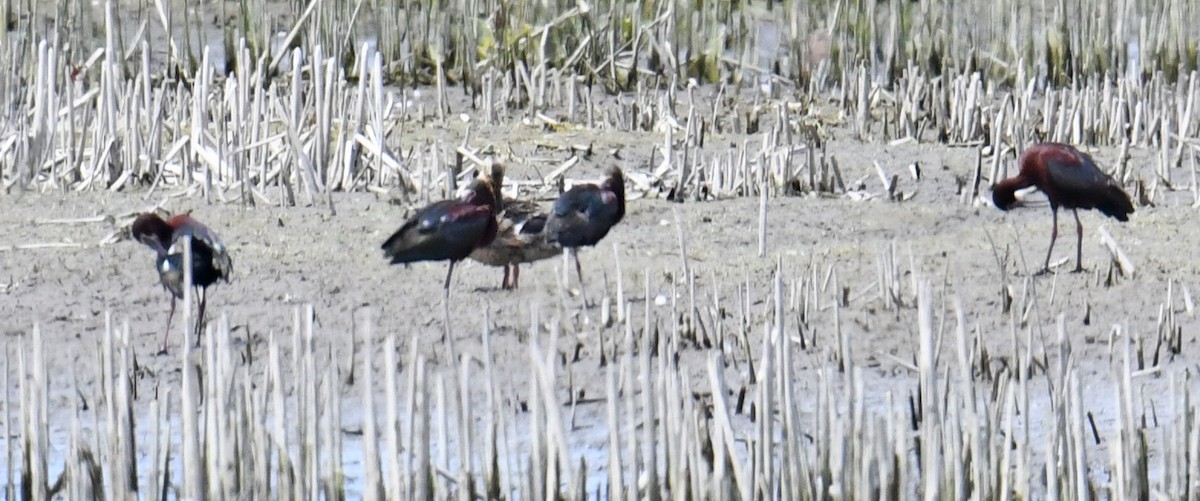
{"x":583,"y":215}
{"x":1070,"y":179}
{"x":448,"y":230}
{"x":210,"y":261}
{"x":521,"y":237}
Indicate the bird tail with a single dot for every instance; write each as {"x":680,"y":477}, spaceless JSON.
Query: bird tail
{"x":1115,"y":204}
{"x":403,"y":247}
{"x":224,"y":265}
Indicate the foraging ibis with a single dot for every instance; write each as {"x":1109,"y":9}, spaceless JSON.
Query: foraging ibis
{"x":210,"y":260}
{"x":1070,"y":179}
{"x":520,"y":238}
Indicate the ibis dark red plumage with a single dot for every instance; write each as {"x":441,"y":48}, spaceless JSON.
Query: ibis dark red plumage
{"x":448,"y":230}
{"x":521,"y":237}
{"x":1070,"y":179}
{"x":210,"y":260}
{"x":583,"y":214}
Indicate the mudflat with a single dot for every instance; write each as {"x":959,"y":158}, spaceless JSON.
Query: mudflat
{"x":326,"y":254}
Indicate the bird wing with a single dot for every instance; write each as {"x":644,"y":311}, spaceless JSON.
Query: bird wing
{"x":521,"y":210}
{"x":583,"y":216}
{"x":606,"y":208}
{"x":153,"y":242}
{"x":574,"y":200}
{"x":532,"y":226}
{"x":522,"y":217}
{"x":590,"y":201}
{"x":448,"y":229}
{"x":185,"y":226}
{"x":205,"y":242}
{"x":1076,"y":176}
{"x":432,"y":217}
{"x":569,"y":218}
{"x":467,"y":223}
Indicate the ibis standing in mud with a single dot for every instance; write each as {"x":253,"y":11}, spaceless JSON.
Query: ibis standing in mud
{"x":448,"y":230}
{"x":1070,"y":179}
{"x":583,"y":215}
{"x":521,"y":237}
{"x":209,"y":260}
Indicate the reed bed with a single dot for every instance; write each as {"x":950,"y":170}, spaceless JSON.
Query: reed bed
{"x":278,"y":103}
{"x":753,"y":392}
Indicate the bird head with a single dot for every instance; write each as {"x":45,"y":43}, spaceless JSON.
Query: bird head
{"x":482,"y":192}
{"x":150,"y":229}
{"x":493,"y":172}
{"x":1004,"y":198}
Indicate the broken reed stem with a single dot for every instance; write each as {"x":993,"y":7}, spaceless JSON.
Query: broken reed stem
{"x":1126,"y":265}
{"x":762,"y":222}
{"x":682,"y":236}
{"x":930,"y":411}
{"x":373,"y":488}
{"x":1159,"y":112}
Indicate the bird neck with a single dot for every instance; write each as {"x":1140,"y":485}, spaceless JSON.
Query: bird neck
{"x":498,"y":203}
{"x":1004,"y":193}
{"x":616,"y":184}
{"x":151,"y":230}
{"x":485,"y":194}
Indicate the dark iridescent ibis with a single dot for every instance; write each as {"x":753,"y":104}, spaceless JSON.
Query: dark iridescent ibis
{"x":210,"y":260}
{"x":1070,"y":179}
{"x":583,"y":214}
{"x":448,"y":230}
{"x":521,"y":237}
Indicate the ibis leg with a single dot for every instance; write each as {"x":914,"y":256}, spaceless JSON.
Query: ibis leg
{"x":1078,"y":242}
{"x":578,"y":267}
{"x":579,"y":271}
{"x":446,"y":303}
{"x":449,"y":273}
{"x":446,"y":313}
{"x":167,"y":332}
{"x":200,"y":317}
{"x":505,"y":284}
{"x":516,"y":275}
{"x":1053,"y":237}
